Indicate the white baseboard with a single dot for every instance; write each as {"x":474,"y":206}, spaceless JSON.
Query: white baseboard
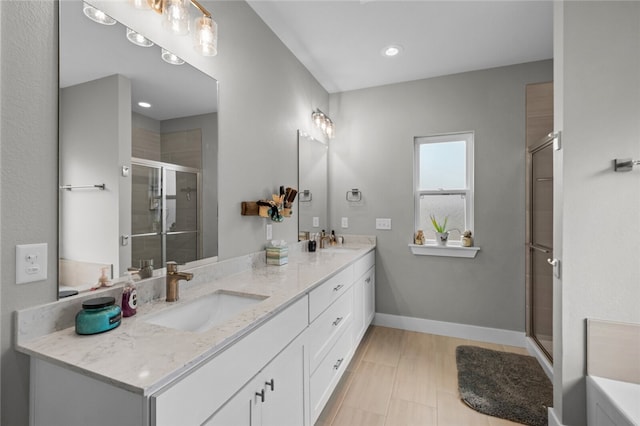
{"x":463,"y":331}
{"x":552,"y":418}
{"x":533,"y":349}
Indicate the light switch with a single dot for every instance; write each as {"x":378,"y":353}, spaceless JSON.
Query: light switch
{"x":345,"y":222}
{"x":269,"y":231}
{"x":383,"y":223}
{"x":316,"y":222}
{"x":31,"y":263}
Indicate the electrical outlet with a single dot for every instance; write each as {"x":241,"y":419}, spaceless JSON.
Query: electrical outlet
{"x":269,"y":231}
{"x":383,"y":223}
{"x":316,"y":222}
{"x":345,"y":222}
{"x":31,"y":263}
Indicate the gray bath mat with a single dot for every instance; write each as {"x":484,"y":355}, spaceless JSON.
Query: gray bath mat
{"x":505,"y":385}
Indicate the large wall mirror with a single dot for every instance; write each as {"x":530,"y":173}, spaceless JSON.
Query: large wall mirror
{"x":138,"y":166}
{"x":312,"y":183}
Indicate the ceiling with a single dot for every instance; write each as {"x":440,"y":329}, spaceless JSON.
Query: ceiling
{"x":341,"y":42}
{"x":89,"y":51}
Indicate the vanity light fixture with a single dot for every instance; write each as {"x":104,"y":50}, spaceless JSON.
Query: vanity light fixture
{"x":138,"y":39}
{"x":176,"y":18}
{"x":170,"y":58}
{"x":323,"y":122}
{"x":96,"y":15}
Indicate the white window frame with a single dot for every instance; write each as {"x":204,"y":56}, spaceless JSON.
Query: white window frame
{"x":468,"y":191}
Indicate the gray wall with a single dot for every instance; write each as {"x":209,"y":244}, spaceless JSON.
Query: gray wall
{"x":598,"y":53}
{"x":29,"y":179}
{"x":373,"y":151}
{"x":94,"y":115}
{"x":265,"y":96}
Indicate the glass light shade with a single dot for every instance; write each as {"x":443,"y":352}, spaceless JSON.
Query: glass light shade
{"x":318,"y":118}
{"x":205,"y":36}
{"x":138,"y":39}
{"x":96,"y":15}
{"x":170,"y":58}
{"x":175,"y":16}
{"x":140,"y":4}
{"x":330,"y":130}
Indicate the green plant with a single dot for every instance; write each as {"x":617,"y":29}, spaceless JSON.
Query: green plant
{"x":439,"y":227}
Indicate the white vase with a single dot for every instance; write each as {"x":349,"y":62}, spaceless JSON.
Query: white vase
{"x":442,"y":238}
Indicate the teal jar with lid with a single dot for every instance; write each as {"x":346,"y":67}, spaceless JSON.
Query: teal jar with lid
{"x":98,"y":315}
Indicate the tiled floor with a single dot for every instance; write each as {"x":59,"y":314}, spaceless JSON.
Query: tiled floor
{"x":404,"y":378}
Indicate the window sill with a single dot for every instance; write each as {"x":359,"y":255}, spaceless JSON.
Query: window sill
{"x":450,"y":250}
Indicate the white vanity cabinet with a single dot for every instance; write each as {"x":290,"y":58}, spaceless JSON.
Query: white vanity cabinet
{"x":340,"y":310}
{"x":274,"y":397}
{"x":194,"y":398}
{"x":279,"y":372}
{"x":364,"y":294}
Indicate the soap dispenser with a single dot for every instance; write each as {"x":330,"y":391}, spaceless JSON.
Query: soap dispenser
{"x":129,"y":298}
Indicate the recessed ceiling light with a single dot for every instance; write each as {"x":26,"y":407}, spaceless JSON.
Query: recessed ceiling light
{"x":393,"y":50}
{"x":170,"y":58}
{"x":96,"y":15}
{"x":144,"y":104}
{"x":138,"y":39}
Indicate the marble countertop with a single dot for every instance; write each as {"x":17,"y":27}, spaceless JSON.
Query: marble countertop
{"x":142,"y":357}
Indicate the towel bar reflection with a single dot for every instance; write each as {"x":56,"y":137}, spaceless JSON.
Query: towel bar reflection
{"x":305,"y":196}
{"x":100,"y":186}
{"x":624,"y":164}
{"x":354,"y":195}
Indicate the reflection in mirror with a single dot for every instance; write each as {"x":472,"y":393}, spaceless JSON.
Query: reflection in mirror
{"x":158,"y":163}
{"x":312,"y":184}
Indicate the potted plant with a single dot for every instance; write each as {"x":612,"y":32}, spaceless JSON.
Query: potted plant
{"x":442,"y":235}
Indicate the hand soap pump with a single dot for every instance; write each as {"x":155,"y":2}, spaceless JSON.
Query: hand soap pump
{"x":129,"y":298}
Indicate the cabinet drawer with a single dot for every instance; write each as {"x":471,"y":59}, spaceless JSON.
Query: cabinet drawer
{"x":325,"y":330}
{"x":324,"y":379}
{"x":321,"y":297}
{"x":192,"y":399}
{"x":364,"y":264}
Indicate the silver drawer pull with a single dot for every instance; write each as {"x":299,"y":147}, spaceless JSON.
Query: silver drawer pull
{"x":337,"y":321}
{"x":337,"y":364}
{"x":368,"y":280}
{"x":338,"y":287}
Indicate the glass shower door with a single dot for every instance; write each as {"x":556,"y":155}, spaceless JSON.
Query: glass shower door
{"x":182,"y":213}
{"x":165,"y":215}
{"x":541,"y":247}
{"x":146,"y":214}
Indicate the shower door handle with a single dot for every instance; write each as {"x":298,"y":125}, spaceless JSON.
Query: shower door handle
{"x":556,"y":266}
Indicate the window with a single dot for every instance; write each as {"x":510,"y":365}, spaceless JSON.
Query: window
{"x":443,"y":182}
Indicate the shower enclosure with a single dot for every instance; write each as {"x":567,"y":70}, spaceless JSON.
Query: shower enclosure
{"x":165,"y":213}
{"x":541,"y":245}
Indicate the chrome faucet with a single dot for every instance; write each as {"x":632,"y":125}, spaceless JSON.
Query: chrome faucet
{"x":173,"y":277}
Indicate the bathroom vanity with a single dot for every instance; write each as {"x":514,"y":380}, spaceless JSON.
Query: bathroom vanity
{"x":275,"y":362}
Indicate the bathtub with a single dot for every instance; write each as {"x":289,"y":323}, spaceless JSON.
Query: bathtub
{"x":612,"y":402}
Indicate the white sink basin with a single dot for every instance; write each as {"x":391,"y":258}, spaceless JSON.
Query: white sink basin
{"x":205,"y":313}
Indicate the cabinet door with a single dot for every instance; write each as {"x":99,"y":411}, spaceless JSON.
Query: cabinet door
{"x":369,"y":297}
{"x":359,"y":326}
{"x":236,"y":412}
{"x":283,"y":386}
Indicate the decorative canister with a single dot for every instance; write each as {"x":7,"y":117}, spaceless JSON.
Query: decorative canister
{"x":98,"y":315}
{"x":467,"y":239}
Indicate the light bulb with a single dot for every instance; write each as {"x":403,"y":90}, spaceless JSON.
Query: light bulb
{"x":205,"y":36}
